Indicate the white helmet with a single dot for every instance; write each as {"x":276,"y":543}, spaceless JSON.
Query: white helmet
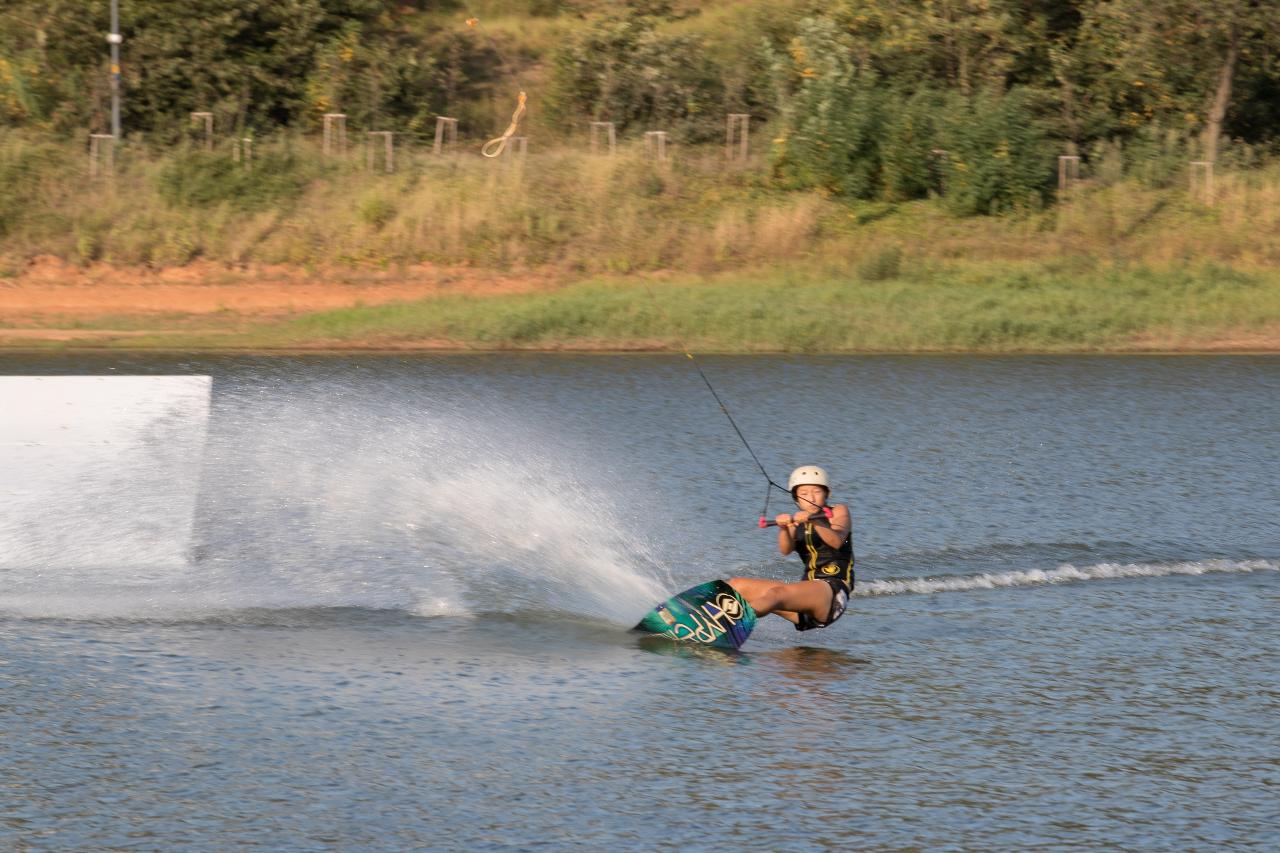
{"x":808,"y":475}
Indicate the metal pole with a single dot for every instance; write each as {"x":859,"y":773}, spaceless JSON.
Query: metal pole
{"x":114,"y":39}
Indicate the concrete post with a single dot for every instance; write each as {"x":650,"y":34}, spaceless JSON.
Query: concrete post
{"x":242,"y":153}
{"x":610,"y":134}
{"x":1068,"y":174}
{"x":388,"y":150}
{"x":738,"y":128}
{"x":96,"y":143}
{"x":335,"y":134}
{"x":446,"y":134}
{"x":207,"y":120}
{"x":1202,"y":181}
{"x":655,"y":145}
{"x":517,"y":147}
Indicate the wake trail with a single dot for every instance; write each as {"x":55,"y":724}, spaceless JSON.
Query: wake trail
{"x":1063,"y":574}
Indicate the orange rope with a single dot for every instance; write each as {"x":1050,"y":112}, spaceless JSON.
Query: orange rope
{"x":501,"y":141}
{"x":494,"y":147}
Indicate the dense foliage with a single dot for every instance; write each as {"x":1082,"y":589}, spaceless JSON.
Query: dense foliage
{"x":256,"y":64}
{"x":888,"y":99}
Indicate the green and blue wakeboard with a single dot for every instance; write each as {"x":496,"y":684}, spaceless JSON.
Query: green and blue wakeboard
{"x":711,"y":613}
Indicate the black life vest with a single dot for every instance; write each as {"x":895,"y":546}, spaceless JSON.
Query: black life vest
{"x":821,"y":561}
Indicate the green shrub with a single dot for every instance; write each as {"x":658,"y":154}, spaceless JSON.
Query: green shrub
{"x":911,"y":169}
{"x":88,"y":245}
{"x":881,"y":265}
{"x":207,"y":178}
{"x":1157,"y":156}
{"x":830,"y":113}
{"x":376,"y":210}
{"x":24,"y":169}
{"x":998,"y":155}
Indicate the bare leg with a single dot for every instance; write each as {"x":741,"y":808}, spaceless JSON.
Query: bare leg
{"x":787,"y":600}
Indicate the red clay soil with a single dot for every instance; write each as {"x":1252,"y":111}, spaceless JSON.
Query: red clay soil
{"x":48,"y":289}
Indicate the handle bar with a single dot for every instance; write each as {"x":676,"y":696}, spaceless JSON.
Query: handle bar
{"x":764,"y":522}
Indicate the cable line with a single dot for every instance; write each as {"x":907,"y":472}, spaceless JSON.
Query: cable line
{"x":770,"y":484}
{"x":495,"y":147}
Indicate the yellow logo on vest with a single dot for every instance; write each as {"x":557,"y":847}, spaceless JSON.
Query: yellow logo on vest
{"x":831,"y":569}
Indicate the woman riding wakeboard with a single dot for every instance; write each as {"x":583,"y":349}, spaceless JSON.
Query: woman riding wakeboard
{"x":820,"y":534}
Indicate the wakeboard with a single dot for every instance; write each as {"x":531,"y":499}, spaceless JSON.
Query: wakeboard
{"x":712,"y":613}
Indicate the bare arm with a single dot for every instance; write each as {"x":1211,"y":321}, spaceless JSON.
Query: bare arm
{"x":786,"y":534}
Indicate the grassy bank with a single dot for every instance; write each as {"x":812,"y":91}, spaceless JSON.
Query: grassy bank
{"x":563,"y":208}
{"x":734,"y":264}
{"x":1024,"y":307}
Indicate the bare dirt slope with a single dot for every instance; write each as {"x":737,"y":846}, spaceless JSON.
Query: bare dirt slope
{"x":49,"y":298}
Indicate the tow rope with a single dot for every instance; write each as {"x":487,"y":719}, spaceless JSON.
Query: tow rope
{"x":770,"y":485}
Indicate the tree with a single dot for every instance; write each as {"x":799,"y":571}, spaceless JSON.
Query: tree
{"x":624,"y":69}
{"x":1172,"y":62}
{"x":962,"y":44}
{"x":251,"y":62}
{"x":829,"y":113}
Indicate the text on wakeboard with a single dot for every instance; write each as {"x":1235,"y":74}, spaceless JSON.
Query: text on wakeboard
{"x":710,"y":620}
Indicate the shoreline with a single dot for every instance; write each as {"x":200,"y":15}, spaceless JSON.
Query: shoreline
{"x":65,"y":347}
{"x":965,"y":308}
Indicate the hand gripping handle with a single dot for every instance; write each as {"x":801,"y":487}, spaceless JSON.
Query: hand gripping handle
{"x":764,"y":522}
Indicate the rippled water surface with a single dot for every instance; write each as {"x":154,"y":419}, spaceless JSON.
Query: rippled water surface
{"x":402,"y":622}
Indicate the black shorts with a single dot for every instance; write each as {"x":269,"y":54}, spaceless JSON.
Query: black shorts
{"x":839,"y":601}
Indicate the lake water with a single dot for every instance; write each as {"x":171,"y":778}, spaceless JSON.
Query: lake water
{"x":402,"y":623}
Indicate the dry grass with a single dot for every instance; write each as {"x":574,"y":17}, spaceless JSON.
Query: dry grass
{"x":565,"y":210}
